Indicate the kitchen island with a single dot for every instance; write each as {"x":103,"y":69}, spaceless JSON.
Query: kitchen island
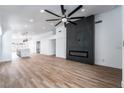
{"x":23,"y":52}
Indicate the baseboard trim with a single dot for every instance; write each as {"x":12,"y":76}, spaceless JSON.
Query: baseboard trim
{"x":122,"y":84}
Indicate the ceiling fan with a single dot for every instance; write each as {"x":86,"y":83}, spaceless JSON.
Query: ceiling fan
{"x":65,"y":18}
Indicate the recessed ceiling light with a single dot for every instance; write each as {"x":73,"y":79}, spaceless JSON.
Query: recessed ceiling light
{"x":42,"y":11}
{"x":82,"y":9}
{"x":31,"y":20}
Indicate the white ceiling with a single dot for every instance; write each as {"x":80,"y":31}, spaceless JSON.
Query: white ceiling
{"x":14,"y":18}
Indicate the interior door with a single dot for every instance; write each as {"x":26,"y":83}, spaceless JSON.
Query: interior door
{"x":38,"y":47}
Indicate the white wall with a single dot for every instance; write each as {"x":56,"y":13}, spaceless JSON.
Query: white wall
{"x":46,"y":43}
{"x":0,"y":40}
{"x":0,"y":46}
{"x":61,"y":42}
{"x":32,"y":46}
{"x":123,"y":47}
{"x":6,"y":46}
{"x":108,"y":37}
{"x":47,"y":47}
{"x":53,"y":46}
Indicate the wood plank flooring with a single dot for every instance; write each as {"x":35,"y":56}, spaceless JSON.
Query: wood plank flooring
{"x":41,"y":71}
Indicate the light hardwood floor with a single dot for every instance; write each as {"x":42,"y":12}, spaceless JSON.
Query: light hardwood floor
{"x":47,"y":71}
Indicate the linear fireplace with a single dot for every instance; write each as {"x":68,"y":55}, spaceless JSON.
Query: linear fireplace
{"x":78,"y":53}
{"x":80,"y":41}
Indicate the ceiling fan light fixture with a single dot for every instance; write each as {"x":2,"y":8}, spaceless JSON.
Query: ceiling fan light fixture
{"x":42,"y":11}
{"x":31,"y":20}
{"x":64,"y":20}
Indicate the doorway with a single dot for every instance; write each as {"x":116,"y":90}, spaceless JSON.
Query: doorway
{"x":53,"y":47}
{"x":38,"y":47}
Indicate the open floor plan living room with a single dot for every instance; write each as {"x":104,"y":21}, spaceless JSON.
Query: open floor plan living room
{"x":61,"y":46}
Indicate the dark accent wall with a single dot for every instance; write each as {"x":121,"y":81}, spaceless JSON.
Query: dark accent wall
{"x":80,"y":40}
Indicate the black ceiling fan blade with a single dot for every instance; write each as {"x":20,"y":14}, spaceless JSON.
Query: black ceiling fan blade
{"x":75,"y":10}
{"x":58,"y":23}
{"x":72,"y":22}
{"x":52,"y":19}
{"x":62,"y":9}
{"x":52,"y":13}
{"x":76,"y":17}
{"x":65,"y":24}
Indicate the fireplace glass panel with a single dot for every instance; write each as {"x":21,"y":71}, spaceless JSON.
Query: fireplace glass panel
{"x":79,"y":53}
